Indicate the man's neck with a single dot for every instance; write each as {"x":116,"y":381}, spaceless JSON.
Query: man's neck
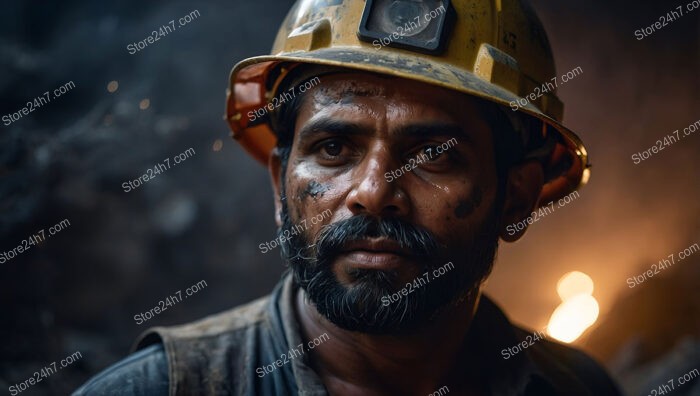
{"x":353,"y":363}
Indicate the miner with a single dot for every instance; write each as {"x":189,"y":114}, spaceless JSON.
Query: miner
{"x":325,"y":330}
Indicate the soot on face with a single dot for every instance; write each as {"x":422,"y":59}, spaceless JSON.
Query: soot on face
{"x":467,"y":207}
{"x":314,"y":189}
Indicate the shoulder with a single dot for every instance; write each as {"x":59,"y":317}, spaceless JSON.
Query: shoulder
{"x":562,"y":365}
{"x":142,"y":373}
{"x":542,"y":366}
{"x":228,"y":323}
{"x":146,"y":372}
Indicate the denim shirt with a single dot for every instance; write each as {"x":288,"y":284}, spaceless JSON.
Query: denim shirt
{"x":225,"y":354}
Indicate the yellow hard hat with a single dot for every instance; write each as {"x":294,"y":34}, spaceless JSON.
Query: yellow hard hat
{"x":492,"y":49}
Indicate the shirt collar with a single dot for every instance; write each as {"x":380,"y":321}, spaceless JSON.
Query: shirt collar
{"x":490,"y":333}
{"x":308,"y":382}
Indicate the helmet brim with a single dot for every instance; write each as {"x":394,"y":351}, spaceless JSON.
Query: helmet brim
{"x":568,"y":166}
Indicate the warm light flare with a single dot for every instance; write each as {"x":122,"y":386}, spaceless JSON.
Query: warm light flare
{"x":574,"y":283}
{"x":579,"y":309}
{"x":573,"y":317}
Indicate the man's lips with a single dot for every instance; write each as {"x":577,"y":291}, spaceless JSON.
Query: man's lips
{"x":382,"y":253}
{"x":377,"y":245}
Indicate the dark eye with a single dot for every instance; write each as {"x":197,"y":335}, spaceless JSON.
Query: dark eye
{"x":333,"y":152}
{"x":433,"y":156}
{"x":431,"y":152}
{"x":332,"y":148}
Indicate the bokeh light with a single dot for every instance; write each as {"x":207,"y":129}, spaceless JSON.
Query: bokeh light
{"x":579,"y":309}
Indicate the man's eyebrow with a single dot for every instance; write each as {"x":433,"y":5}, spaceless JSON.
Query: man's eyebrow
{"x":422,"y":130}
{"x":333,"y":126}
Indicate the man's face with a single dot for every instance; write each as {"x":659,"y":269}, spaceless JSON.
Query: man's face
{"x":357,"y":146}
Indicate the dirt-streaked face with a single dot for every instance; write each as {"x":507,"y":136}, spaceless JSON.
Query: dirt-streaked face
{"x":408,"y":175}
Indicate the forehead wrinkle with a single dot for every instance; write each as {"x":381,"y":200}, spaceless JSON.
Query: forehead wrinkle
{"x":341,"y":90}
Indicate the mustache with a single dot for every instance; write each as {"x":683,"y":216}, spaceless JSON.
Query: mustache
{"x":334,"y":237}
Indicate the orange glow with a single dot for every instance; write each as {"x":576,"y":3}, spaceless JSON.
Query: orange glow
{"x":579,"y":309}
{"x":574,"y":283}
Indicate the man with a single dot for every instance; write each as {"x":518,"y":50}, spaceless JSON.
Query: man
{"x":422,"y":165}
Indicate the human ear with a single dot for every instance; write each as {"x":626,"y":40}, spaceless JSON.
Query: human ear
{"x":523,"y":189}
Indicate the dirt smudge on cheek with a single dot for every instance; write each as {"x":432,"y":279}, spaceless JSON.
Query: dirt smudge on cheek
{"x":467,"y":207}
{"x":314,"y":190}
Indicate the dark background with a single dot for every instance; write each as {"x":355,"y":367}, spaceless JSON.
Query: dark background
{"x":204,"y":218}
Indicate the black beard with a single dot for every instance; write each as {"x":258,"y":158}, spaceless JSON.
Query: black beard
{"x":361,"y":307}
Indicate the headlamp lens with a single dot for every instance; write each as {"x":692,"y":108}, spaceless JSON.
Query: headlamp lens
{"x":417,"y":25}
{"x":404,"y":16}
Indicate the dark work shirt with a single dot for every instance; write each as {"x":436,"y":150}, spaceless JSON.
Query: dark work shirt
{"x":144,"y":372}
{"x":224,"y":354}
